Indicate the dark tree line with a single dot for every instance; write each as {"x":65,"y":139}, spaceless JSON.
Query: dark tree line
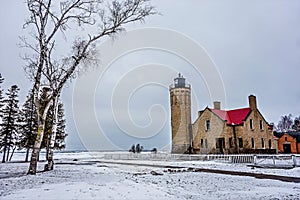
{"x":136,"y":148}
{"x":18,"y":126}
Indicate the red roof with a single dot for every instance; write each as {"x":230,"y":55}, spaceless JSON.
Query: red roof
{"x":235,"y":117}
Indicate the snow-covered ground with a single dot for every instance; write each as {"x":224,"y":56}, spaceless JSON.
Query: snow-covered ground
{"x":87,"y":175}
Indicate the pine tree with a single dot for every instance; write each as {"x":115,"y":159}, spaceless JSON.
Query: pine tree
{"x":1,"y":94}
{"x":61,"y":129}
{"x":296,"y":125}
{"x":10,"y":124}
{"x":29,"y":125}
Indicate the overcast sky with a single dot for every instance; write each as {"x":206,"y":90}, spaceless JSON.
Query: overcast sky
{"x":253,"y":45}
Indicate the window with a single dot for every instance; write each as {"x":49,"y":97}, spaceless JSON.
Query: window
{"x":175,"y":99}
{"x":285,"y":138}
{"x":240,"y":142}
{"x":251,"y":124}
{"x":262,"y":143}
{"x":252,"y":143}
{"x":230,"y":143}
{"x":206,"y":145}
{"x":217,"y":143}
{"x":270,"y":143}
{"x":201,"y":143}
{"x":207,"y":125}
{"x":220,"y":143}
{"x":261,"y":125}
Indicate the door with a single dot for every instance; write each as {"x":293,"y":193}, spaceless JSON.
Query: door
{"x":286,"y":148}
{"x":221,"y":144}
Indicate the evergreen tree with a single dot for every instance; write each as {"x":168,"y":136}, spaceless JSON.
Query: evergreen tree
{"x":29,"y":125}
{"x":1,"y":94}
{"x":1,"y":79}
{"x":296,"y":125}
{"x":61,"y":129}
{"x":10,"y":123}
{"x":132,"y":149}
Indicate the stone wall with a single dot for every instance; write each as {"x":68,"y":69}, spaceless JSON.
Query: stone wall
{"x":260,"y":134}
{"x":230,"y":134}
{"x":180,"y":100}
{"x":202,"y":136}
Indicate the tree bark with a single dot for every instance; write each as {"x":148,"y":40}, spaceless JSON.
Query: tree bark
{"x":36,"y":150}
{"x":27,"y":154}
{"x":4,"y":154}
{"x":12,"y":153}
{"x":53,"y":135}
{"x":50,"y":148}
{"x":7,"y":155}
{"x":38,"y":140}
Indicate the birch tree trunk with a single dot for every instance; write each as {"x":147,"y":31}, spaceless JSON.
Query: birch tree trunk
{"x":38,"y":140}
{"x":47,"y":18}
{"x":50,"y":147}
{"x":27,"y":154}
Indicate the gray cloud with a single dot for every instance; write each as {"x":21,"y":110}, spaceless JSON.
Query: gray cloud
{"x":255,"y":45}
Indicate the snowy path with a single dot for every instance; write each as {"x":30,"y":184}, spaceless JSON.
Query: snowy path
{"x":216,"y":171}
{"x":84,"y":178}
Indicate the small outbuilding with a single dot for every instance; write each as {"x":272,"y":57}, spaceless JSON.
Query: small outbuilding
{"x":288,"y":142}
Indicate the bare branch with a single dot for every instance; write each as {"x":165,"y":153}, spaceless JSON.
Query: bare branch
{"x":47,"y":19}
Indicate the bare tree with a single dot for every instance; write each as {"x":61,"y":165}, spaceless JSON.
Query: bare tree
{"x":47,"y":19}
{"x":285,"y":123}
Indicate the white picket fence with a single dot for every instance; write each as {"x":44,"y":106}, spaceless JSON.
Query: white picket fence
{"x":231,"y":158}
{"x":291,"y":160}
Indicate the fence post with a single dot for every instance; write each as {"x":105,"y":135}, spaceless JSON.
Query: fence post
{"x":294,"y":160}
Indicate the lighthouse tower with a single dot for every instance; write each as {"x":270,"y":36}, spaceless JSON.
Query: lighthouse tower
{"x":180,"y":99}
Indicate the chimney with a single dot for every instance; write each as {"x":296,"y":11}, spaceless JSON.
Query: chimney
{"x":252,"y":102}
{"x":217,"y":105}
